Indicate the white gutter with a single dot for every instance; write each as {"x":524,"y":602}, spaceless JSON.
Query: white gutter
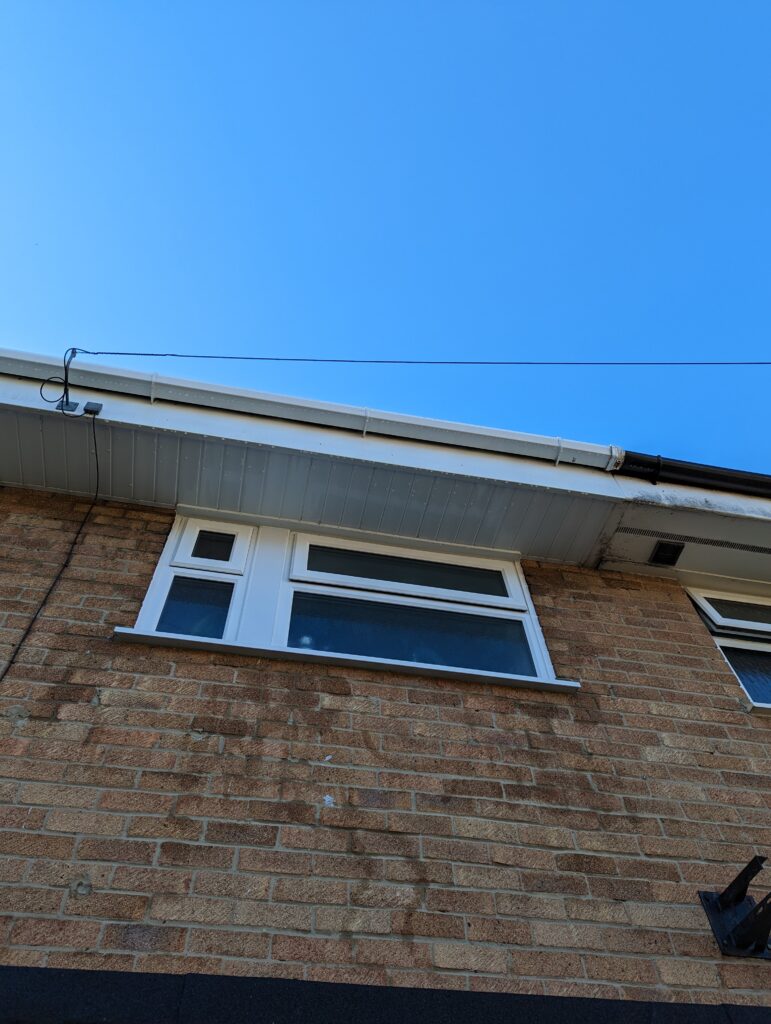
{"x":326,"y":414}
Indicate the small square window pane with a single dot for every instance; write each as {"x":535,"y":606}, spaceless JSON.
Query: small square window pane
{"x":432,"y":636}
{"x":216,"y":546}
{"x":754,"y":669}
{"x":196,"y":607}
{"x":744,"y":611}
{"x":396,"y":569}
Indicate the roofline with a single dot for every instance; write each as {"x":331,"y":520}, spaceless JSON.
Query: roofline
{"x":362,"y":421}
{"x":326,"y":414}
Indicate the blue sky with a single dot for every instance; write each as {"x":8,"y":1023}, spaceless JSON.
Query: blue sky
{"x":481,"y":180}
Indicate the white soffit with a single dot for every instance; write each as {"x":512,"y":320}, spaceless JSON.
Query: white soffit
{"x":277,"y":484}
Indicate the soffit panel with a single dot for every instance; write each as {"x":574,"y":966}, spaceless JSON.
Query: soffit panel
{"x":233,"y":477}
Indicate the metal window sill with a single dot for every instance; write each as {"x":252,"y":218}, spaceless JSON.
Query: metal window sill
{"x":346,"y":661}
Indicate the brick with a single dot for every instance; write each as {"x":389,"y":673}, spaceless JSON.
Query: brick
{"x":226,"y":884}
{"x":613,"y":968}
{"x":188,"y":908}
{"x":462,"y":957}
{"x":152,"y":880}
{"x":335,"y":919}
{"x":385,"y":896}
{"x":274,"y":861}
{"x":118,"y":850}
{"x":310,"y":890}
{"x":311,"y":951}
{"x":24,"y":900}
{"x":286,"y":916}
{"x":226,"y":943}
{"x":414,"y":922}
{"x":166,"y":828}
{"x":24,"y":845}
{"x":537,"y":963}
{"x":192,"y":855}
{"x":690,"y":973}
{"x":40,"y":931}
{"x":502,"y":932}
{"x":145,"y":938}
{"x":394,"y":953}
{"x":243,"y":835}
{"x":107,"y":906}
{"x":82,"y":822}
{"x":57,"y":796}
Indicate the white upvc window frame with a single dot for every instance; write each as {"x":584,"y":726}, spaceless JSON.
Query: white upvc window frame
{"x":512,"y":578}
{"x":184,"y":542}
{"x":268,"y":565}
{"x":726,"y":632}
{"x":752,"y":645}
{"x":704,"y":600}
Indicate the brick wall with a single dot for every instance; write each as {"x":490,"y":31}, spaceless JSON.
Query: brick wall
{"x":167,"y":810}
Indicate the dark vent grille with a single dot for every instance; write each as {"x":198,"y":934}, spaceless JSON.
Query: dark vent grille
{"x":685,"y":538}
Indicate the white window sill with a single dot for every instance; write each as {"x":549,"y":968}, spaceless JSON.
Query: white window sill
{"x":346,"y":660}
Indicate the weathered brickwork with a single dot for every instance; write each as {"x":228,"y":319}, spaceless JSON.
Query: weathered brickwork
{"x":167,"y":810}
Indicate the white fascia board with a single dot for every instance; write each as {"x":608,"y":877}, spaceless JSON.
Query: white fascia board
{"x":323,"y":414}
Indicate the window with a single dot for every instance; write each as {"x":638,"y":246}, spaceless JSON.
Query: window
{"x":280,"y":593}
{"x":741,"y":626}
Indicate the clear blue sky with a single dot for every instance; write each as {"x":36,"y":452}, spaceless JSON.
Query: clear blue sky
{"x":441,"y":180}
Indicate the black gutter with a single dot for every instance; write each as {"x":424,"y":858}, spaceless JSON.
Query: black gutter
{"x":659,"y":470}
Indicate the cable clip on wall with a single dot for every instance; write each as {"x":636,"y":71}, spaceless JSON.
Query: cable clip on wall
{"x":740,"y":925}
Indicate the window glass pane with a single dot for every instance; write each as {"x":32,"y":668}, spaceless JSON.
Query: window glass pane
{"x":741,"y":610}
{"x":218,"y":546}
{"x":429,"y":635}
{"x":367,"y":565}
{"x":754,"y":670}
{"x":196,"y":607}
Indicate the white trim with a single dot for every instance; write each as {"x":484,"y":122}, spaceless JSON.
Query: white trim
{"x":188,"y":534}
{"x":299,"y":571}
{"x":348,"y":660}
{"x":704,"y":600}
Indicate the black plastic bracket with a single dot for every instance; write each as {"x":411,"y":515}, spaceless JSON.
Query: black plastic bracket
{"x":740,"y":925}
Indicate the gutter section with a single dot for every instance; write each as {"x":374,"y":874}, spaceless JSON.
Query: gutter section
{"x":325,"y":414}
{"x":658,"y":469}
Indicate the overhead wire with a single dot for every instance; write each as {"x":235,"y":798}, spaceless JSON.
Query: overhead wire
{"x":72,"y":352}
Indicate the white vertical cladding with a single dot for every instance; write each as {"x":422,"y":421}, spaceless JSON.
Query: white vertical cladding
{"x":261,"y":615}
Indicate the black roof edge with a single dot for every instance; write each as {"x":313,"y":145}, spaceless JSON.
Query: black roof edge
{"x":658,"y":469}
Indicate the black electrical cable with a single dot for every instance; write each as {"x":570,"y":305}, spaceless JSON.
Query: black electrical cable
{"x":418,"y":362}
{"x":65,"y":564}
{"x":63,"y":400}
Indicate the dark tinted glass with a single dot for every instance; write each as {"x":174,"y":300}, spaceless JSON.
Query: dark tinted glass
{"x":754,"y":670}
{"x":435,"y":637}
{"x":467,"y":578}
{"x":196,"y":607}
{"x":209,"y":544}
{"x":741,"y":610}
